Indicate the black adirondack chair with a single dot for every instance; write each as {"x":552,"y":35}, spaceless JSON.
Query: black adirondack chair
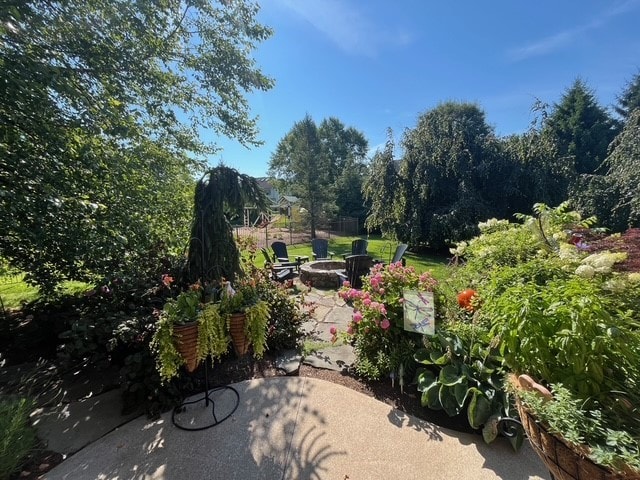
{"x":280,"y":251}
{"x":356,"y":266}
{"x":320,"y":248}
{"x":358,"y":247}
{"x":279,"y":271}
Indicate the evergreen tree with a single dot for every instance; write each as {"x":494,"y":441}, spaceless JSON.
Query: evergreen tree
{"x":629,"y":99}
{"x":582,"y":128}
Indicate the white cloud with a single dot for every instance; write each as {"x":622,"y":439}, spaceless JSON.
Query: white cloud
{"x":562,"y":39}
{"x":346,"y":26}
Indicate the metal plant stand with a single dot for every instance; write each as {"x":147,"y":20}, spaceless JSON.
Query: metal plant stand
{"x":206,"y":398}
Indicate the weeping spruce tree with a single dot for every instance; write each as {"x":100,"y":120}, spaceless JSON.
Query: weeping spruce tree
{"x":221,"y":193}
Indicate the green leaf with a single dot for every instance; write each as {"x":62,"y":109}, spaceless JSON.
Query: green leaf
{"x":425,"y":380}
{"x":450,"y":375}
{"x":461,"y":390}
{"x":490,"y":429}
{"x":517,"y":440}
{"x":430,"y":397}
{"x":448,"y":401}
{"x":479,"y":409}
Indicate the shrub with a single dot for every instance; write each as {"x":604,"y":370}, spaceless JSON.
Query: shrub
{"x":17,"y":436}
{"x":381,"y":344}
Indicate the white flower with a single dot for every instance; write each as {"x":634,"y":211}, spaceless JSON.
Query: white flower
{"x":585,"y":271}
{"x":634,"y":277}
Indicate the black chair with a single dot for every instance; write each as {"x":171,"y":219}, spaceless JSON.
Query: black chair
{"x":320,"y":248}
{"x":358,"y":247}
{"x":278,"y":271}
{"x":397,"y":256}
{"x":399,"y":253}
{"x":355,"y":267}
{"x":280,"y":251}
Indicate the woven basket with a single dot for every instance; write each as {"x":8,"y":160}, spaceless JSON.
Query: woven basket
{"x":564,"y":460}
{"x":186,"y":341}
{"x":238,"y":334}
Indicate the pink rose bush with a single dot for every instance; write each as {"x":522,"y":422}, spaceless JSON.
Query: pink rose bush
{"x":376,"y":329}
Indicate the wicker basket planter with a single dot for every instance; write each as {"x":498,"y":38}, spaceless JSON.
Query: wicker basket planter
{"x":237,"y":330}
{"x":565,"y":461}
{"x":186,"y":341}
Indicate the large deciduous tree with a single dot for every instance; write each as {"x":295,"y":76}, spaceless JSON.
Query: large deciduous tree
{"x":324,"y":166}
{"x":448,"y":158}
{"x":299,"y":162}
{"x":582,"y":128}
{"x":380,"y":191}
{"x":99,"y":124}
{"x":345,"y":149}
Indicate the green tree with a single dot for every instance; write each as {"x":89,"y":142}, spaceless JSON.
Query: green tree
{"x":614,"y":197}
{"x":103,"y":104}
{"x":534,"y":172}
{"x":582,"y":128}
{"x":380,"y":191}
{"x":299,"y":163}
{"x":345,"y":149}
{"x":220,"y":193}
{"x":448,"y":159}
{"x":629,"y":99}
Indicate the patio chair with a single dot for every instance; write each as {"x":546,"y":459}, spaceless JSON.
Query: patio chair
{"x":320,"y":248}
{"x":358,"y":247}
{"x":279,"y":271}
{"x":280,"y":251}
{"x":355,"y":267}
{"x":398,"y":255}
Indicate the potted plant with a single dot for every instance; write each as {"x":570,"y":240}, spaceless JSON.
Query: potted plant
{"x":187,"y":332}
{"x":247,"y":316}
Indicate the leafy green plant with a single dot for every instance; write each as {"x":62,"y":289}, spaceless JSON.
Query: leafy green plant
{"x":213,"y":336}
{"x":17,"y":436}
{"x":582,"y":424}
{"x":464,"y":373}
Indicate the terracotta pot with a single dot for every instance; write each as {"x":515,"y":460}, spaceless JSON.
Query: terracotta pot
{"x":238,"y":335}
{"x":186,"y":340}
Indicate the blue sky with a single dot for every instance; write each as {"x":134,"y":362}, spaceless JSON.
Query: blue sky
{"x":379,"y":64}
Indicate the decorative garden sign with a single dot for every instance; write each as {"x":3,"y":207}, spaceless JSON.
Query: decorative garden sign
{"x":419,"y":313}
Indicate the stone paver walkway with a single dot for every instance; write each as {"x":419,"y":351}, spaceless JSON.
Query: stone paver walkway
{"x":330,"y":311}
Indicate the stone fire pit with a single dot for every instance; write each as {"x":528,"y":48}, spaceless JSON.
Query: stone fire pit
{"x":321,"y":273}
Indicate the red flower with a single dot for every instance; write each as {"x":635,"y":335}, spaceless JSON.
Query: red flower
{"x":465,"y":299}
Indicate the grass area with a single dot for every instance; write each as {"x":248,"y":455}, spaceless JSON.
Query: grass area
{"x":17,"y":436}
{"x":15,"y":291}
{"x":382,"y":250}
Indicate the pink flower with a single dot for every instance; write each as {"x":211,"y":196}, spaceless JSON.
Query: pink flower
{"x":346,"y":283}
{"x":366,"y":302}
{"x":381,"y":291}
{"x":333,"y":330}
{"x":357,"y":316}
{"x":385,"y":324}
{"x":350,"y":330}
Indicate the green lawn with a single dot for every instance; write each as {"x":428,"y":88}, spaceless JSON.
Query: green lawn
{"x":15,"y":291}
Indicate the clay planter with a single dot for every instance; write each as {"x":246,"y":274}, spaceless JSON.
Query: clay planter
{"x":186,"y":341}
{"x":238,"y":335}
